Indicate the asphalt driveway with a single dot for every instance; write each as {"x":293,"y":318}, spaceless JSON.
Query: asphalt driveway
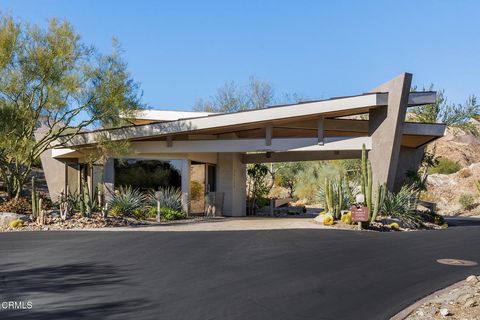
{"x":260,"y":274}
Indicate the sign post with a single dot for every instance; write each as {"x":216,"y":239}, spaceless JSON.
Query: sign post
{"x":359,"y":214}
{"x":158,"y":195}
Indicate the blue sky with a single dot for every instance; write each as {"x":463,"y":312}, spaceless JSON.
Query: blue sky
{"x":183,"y":50}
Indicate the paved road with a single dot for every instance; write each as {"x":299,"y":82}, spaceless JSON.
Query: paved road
{"x":277,"y":274}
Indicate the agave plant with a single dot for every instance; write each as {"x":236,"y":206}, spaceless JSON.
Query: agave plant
{"x":170,"y":197}
{"x":399,"y":205}
{"x":126,"y":201}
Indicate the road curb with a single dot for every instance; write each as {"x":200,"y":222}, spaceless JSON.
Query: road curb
{"x":407,"y":311}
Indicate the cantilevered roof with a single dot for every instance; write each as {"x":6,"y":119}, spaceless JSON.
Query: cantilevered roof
{"x":291,"y":120}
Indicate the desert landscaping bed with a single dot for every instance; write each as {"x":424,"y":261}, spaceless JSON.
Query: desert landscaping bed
{"x":78,"y":222}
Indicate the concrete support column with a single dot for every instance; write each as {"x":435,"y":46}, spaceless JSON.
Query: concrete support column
{"x":109,"y":179}
{"x":386,"y":128}
{"x":185,"y":173}
{"x":231,"y":179}
{"x":409,"y":159}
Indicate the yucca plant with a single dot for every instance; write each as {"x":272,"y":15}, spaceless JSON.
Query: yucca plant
{"x":126,"y":201}
{"x":170,"y":197}
{"x":398,"y":205}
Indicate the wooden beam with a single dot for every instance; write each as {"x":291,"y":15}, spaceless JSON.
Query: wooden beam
{"x":169,"y":141}
{"x":300,"y":156}
{"x":268,"y":135}
{"x":320,"y":128}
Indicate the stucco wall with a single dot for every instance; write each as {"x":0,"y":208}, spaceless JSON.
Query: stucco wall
{"x":231,"y":179}
{"x":54,"y":172}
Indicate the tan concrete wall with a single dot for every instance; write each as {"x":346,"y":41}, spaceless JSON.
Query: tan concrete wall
{"x":54,"y":172}
{"x":231,"y":179}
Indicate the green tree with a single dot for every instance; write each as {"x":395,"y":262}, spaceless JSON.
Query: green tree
{"x":258,"y":185}
{"x":231,"y":97}
{"x":455,"y":116}
{"x":287,"y":175}
{"x":52,"y":84}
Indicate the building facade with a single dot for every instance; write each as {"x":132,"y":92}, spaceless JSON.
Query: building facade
{"x":210,"y":151}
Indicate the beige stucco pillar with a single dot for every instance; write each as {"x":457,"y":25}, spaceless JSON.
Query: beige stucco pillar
{"x":386,"y":128}
{"x":185,"y":175}
{"x":231,"y":179}
{"x":109,"y":179}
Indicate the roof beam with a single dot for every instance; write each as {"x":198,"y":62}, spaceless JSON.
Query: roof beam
{"x":300,"y":156}
{"x":250,"y":145}
{"x":268,"y":135}
{"x":320,"y":128}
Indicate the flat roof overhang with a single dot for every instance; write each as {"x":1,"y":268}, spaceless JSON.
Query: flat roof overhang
{"x":218,"y":124}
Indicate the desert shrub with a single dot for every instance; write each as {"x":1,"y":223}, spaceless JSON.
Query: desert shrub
{"x":197,"y":190}
{"x":465,"y":173}
{"x":166,"y":213}
{"x":466,"y":201}
{"x":151,"y":212}
{"x":171,"y":214}
{"x":19,"y":206}
{"x":126,"y":201}
{"x":398,"y":205}
{"x":139,"y":214}
{"x":445,"y":166}
{"x":17,"y":223}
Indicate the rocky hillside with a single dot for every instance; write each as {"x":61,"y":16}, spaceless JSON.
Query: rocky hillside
{"x":447,"y":189}
{"x":459,"y":146}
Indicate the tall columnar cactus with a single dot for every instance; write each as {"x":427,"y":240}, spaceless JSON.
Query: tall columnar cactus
{"x":368,"y":195}
{"x":379,"y":197}
{"x":330,"y":197}
{"x":86,"y":201}
{"x":327,"y":195}
{"x":339,"y":198}
{"x":367,"y":181}
{"x":364,"y":170}
{"x":35,"y":207}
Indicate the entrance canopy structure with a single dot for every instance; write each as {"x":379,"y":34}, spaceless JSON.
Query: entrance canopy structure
{"x":313,"y":130}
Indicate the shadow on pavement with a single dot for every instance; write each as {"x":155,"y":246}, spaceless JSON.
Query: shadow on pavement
{"x":462,"y":222}
{"x":55,"y":292}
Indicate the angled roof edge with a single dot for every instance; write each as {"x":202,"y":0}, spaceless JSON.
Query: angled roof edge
{"x":349,"y":103}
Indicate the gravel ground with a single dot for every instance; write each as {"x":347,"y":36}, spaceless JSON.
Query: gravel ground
{"x":462,"y":301}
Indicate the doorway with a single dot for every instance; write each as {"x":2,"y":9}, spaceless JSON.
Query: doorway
{"x":203,"y":178}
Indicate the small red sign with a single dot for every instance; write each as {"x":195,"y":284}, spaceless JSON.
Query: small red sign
{"x":359,"y":214}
